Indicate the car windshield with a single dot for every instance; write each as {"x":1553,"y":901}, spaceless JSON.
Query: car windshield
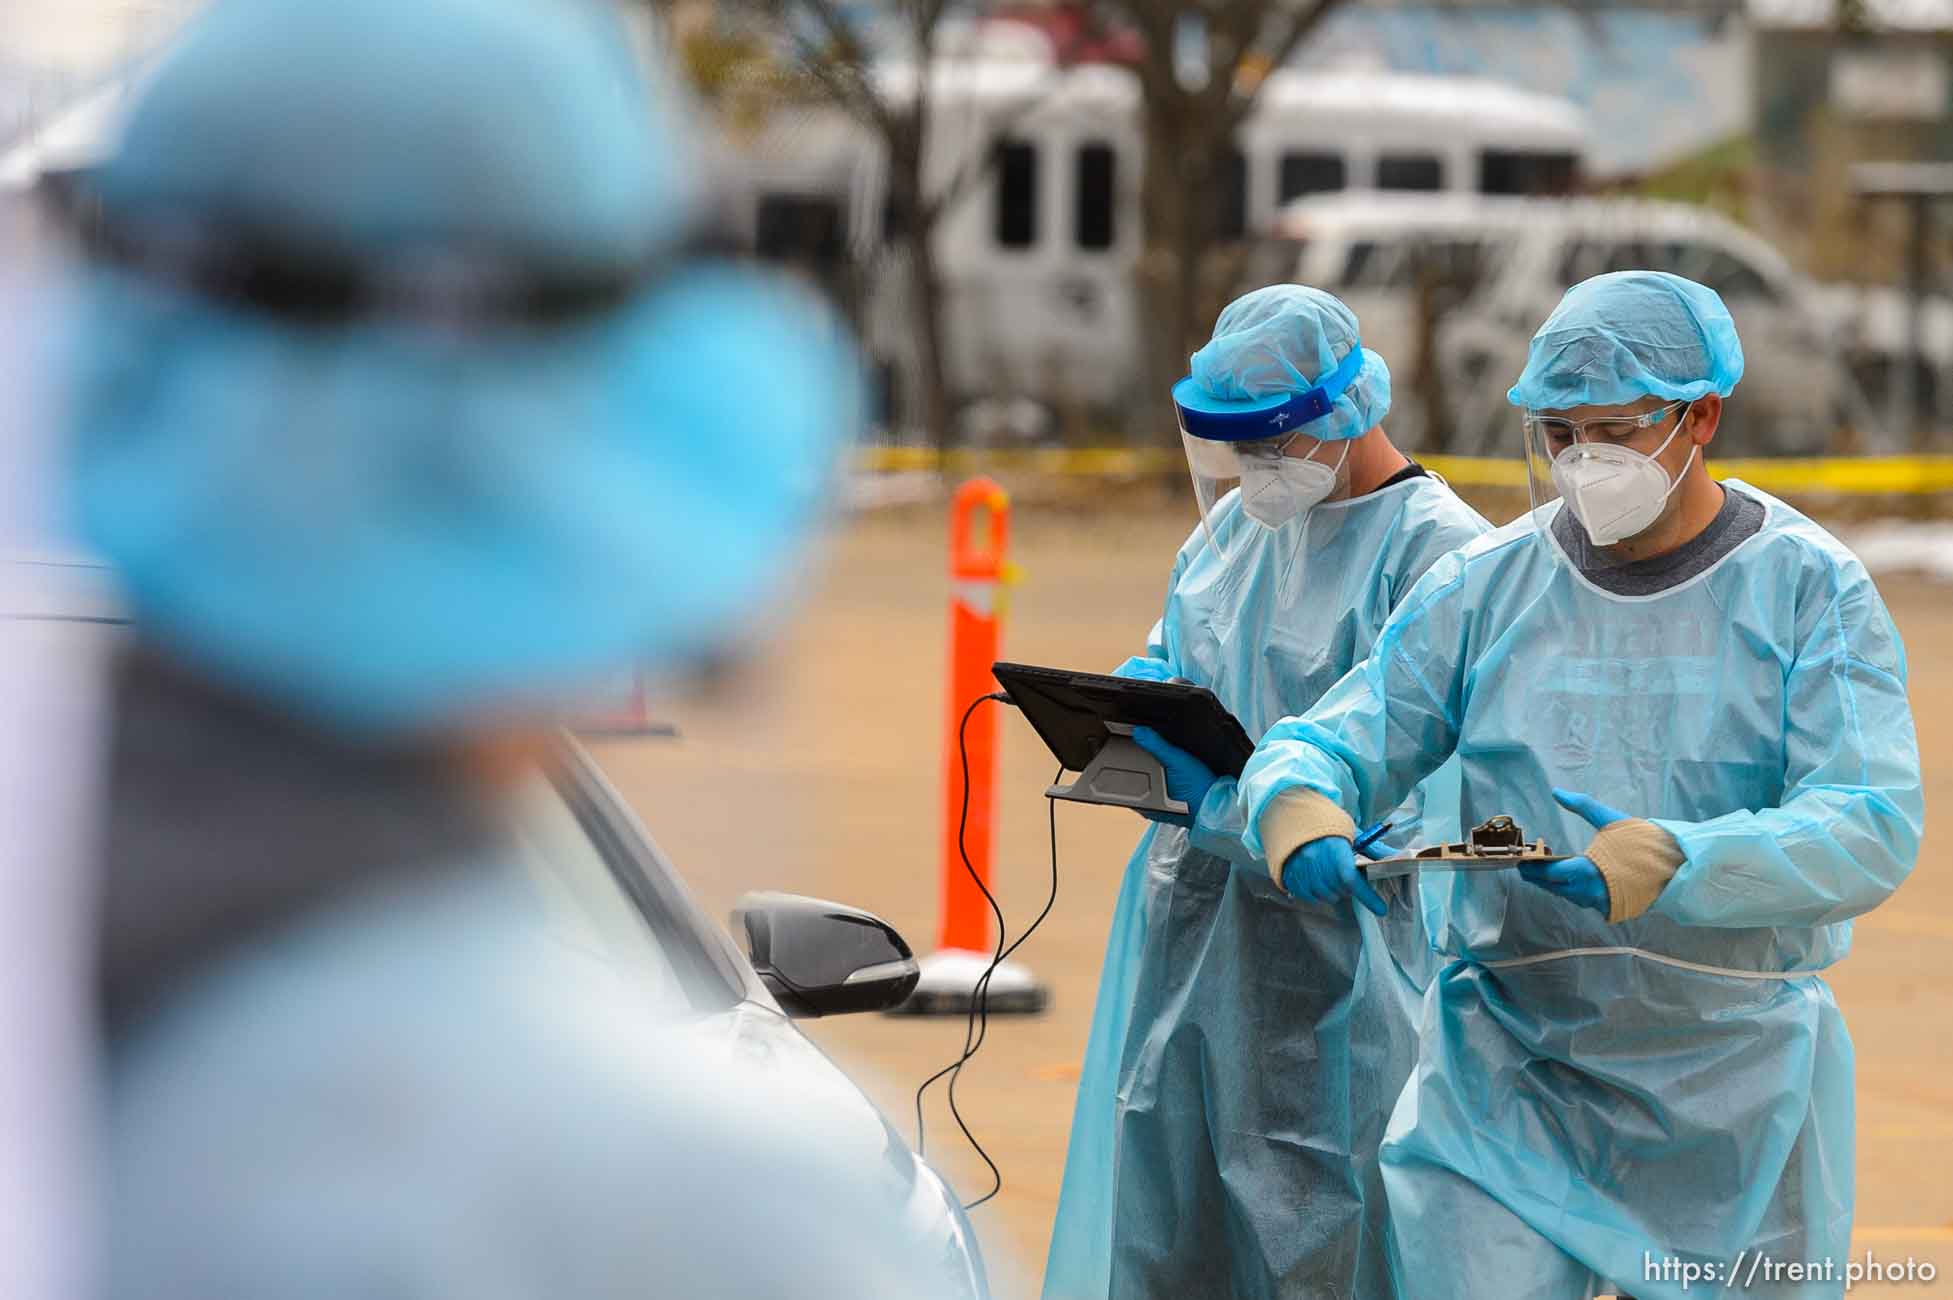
{"x":600,"y":898}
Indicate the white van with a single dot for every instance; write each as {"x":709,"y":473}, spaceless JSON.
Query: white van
{"x":1469,"y":278}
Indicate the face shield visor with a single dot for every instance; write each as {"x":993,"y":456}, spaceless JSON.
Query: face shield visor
{"x":1607,"y":471}
{"x":1245,"y":489}
{"x":1256,"y":468}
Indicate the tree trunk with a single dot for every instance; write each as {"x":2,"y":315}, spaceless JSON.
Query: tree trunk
{"x":1184,"y":165}
{"x":1432,"y":432}
{"x":916,"y":218}
{"x":932,"y":377}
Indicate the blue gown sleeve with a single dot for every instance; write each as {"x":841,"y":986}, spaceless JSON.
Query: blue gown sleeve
{"x":1427,"y":625}
{"x":1221,"y":825}
{"x":1389,"y":723}
{"x":1218,"y":823}
{"x":1161,"y":663}
{"x":1848,"y":828}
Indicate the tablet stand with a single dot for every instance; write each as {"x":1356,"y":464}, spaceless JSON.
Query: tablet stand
{"x":1122,"y":775}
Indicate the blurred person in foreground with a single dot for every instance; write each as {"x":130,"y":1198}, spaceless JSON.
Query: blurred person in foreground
{"x":1250,"y":1036}
{"x":1632,"y":1056}
{"x":401,"y":412}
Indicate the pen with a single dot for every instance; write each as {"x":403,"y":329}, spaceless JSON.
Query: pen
{"x":1371,"y":836}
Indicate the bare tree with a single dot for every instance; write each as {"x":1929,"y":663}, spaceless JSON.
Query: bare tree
{"x":831,"y":55}
{"x":1204,"y":65}
{"x":1190,"y":117}
{"x":826,"y":58}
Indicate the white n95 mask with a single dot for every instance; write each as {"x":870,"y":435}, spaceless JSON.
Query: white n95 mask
{"x":1615,"y":492}
{"x":1276,"y":488}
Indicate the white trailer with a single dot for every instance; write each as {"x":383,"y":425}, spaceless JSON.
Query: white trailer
{"x":1037,"y":255}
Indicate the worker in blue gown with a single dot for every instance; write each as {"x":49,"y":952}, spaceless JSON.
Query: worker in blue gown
{"x":1630,"y":1060}
{"x":1246,"y":1046}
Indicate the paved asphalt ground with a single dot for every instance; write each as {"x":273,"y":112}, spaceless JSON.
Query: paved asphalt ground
{"x":818,"y":768}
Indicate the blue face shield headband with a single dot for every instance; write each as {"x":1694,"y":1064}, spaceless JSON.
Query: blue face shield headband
{"x":1270,"y":417}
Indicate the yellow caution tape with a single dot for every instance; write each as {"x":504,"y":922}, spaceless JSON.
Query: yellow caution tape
{"x":1107,"y":462}
{"x":1871,"y":475}
{"x":1478,"y":471}
{"x":1855,"y":475}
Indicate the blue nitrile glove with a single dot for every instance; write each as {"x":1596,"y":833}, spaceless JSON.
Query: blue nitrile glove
{"x":1145,"y":668}
{"x":1187,"y":778}
{"x":1577,"y":880}
{"x":1324,"y":871}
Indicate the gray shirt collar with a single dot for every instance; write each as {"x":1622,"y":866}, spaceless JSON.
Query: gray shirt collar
{"x":1740,"y":518}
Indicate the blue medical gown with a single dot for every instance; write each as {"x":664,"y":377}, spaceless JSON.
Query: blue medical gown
{"x":1208,"y":1149}
{"x":1589,"y":1096}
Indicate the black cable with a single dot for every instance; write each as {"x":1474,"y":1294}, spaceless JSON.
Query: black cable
{"x":977,"y":1027}
{"x":1051,"y":899}
{"x":983,"y":982}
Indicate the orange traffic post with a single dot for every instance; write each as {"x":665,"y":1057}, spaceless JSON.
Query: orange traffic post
{"x":980,"y":573}
{"x":976,"y":576}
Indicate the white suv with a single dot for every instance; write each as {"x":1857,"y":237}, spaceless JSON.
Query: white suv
{"x":1469,"y":278}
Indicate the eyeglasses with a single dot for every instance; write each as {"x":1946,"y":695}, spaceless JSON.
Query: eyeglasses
{"x":1600,"y":428}
{"x":1224,"y":459}
{"x":1289,"y":444}
{"x":247,"y":266}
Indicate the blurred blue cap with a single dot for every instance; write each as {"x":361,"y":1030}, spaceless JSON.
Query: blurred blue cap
{"x":1627,"y":335}
{"x":524,"y":125}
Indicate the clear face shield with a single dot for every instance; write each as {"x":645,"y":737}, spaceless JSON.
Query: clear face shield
{"x":1248,"y":488}
{"x":1606,"y":470}
{"x":1257,"y":469}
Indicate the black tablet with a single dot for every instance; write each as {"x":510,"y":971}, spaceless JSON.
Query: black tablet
{"x":1070,"y":710}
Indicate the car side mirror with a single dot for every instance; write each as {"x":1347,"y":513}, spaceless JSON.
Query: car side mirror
{"x":823,"y":959}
